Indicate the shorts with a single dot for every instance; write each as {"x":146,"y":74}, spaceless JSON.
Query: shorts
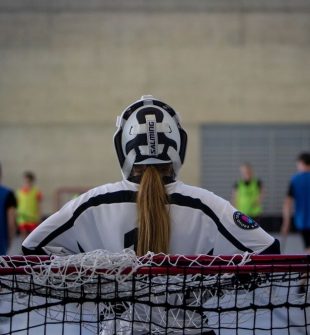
{"x":27,"y":227}
{"x":306,"y":237}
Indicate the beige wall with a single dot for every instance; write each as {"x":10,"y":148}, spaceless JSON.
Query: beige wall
{"x":64,"y":76}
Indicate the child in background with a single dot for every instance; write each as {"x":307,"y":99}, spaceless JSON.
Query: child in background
{"x":28,"y":209}
{"x":248,"y":193}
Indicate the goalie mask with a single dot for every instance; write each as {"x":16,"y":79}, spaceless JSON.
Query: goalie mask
{"x":149,"y":132}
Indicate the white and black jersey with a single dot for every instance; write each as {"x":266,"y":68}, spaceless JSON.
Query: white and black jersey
{"x":106,"y":218}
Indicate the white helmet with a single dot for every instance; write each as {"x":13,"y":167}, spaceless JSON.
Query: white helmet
{"x":149,"y":132}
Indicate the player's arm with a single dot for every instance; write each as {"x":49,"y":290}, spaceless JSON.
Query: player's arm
{"x":287,"y":213}
{"x":287,"y":210}
{"x":234,"y":194}
{"x":39,"y":201}
{"x":238,"y":234}
{"x":56,"y":235}
{"x":261,"y":192}
{"x":11,"y":216}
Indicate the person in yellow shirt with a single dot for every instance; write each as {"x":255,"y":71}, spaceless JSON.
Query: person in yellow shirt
{"x":248,"y":193}
{"x":29,"y":200}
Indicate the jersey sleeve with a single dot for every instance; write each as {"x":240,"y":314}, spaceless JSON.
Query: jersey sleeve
{"x":238,"y":233}
{"x":56,"y":235}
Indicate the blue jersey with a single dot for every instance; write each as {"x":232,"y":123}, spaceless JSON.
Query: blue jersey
{"x":300,"y":192}
{"x":7,"y":200}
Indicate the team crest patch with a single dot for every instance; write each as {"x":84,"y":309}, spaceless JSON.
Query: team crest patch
{"x":245,"y":222}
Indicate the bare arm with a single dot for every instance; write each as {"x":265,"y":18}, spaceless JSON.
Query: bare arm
{"x":11,"y":216}
{"x":261,"y":195}
{"x":39,"y":203}
{"x":233,"y":197}
{"x":287,"y":213}
{"x":40,"y":212}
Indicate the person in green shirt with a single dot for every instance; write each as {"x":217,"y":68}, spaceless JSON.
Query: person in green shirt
{"x":248,"y":193}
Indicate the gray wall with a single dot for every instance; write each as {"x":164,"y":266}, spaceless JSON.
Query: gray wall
{"x":67,"y":68}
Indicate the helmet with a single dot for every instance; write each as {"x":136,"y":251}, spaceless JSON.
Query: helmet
{"x":149,"y":132}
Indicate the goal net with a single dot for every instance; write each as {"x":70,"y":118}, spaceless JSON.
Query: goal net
{"x":107,"y":293}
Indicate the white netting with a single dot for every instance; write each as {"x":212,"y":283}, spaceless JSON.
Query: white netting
{"x":107,"y":293}
{"x":84,"y":267}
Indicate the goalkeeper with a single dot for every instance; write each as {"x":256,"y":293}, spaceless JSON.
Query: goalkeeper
{"x":150,"y":209}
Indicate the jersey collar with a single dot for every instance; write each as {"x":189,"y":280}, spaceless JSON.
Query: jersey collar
{"x":137,"y":179}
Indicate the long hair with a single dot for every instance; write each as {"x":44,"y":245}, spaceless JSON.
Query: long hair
{"x":153,"y":214}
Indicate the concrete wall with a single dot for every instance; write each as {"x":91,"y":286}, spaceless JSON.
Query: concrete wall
{"x":67,"y":71}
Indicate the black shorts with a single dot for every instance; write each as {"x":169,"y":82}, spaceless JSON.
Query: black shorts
{"x":306,"y":237}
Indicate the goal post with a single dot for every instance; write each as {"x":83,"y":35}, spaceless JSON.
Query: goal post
{"x":118,"y":293}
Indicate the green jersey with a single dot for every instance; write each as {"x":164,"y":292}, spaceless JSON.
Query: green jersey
{"x":248,"y":197}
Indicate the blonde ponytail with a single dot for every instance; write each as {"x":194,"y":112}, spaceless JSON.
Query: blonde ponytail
{"x":153,"y":216}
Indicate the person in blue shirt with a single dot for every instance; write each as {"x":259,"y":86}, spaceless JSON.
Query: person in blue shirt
{"x":7,"y":217}
{"x":298,"y":198}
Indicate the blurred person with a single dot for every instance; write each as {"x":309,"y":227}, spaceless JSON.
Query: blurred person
{"x":248,"y":193}
{"x":7,"y":216}
{"x":297,"y":200}
{"x":29,"y":200}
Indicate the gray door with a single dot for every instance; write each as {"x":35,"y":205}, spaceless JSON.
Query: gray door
{"x":271,"y":149}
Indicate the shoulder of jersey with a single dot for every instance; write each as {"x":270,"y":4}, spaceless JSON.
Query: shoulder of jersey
{"x":177,"y":187}
{"x":196,"y":192}
{"x":122,"y":185}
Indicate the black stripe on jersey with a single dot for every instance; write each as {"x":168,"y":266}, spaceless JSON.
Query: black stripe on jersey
{"x":273,"y":249}
{"x":80,"y":247}
{"x":186,"y":201}
{"x":131,"y":239}
{"x":36,"y":251}
{"x":108,"y":198}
